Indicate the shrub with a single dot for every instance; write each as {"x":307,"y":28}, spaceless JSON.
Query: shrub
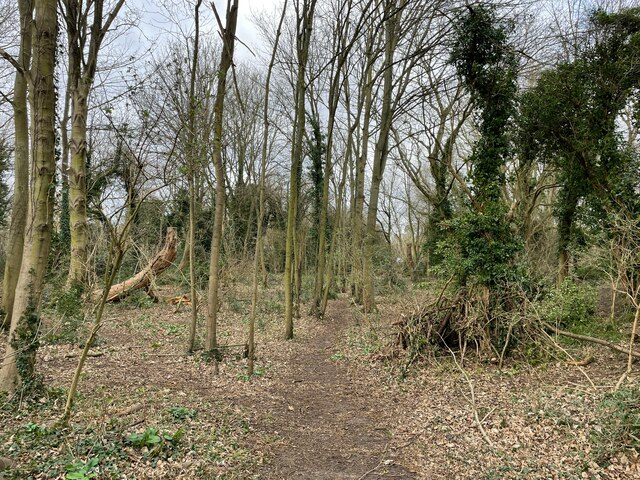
{"x":570,"y":305}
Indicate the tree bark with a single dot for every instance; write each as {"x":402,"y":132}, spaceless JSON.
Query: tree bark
{"x":304,"y":27}
{"x":81,"y":75}
{"x":78,"y":183}
{"x":143,"y":279}
{"x":18,"y":367}
{"x":15,"y":242}
{"x":192,"y":181}
{"x":226,"y":59}
{"x":381,"y":153}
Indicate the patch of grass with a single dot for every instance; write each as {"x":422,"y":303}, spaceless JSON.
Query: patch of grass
{"x":257,"y":373}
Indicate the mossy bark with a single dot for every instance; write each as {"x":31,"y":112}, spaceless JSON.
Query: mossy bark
{"x":15,"y":242}
{"x":17,"y":367}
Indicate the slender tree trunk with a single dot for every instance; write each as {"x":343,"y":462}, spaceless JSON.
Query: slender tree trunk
{"x":78,"y":182}
{"x":15,"y":241}
{"x":304,"y":26}
{"x":18,"y":367}
{"x":82,"y":69}
{"x":259,"y":252}
{"x":192,"y":182}
{"x":226,"y":59}
{"x":380,"y":155}
{"x":365,"y":102}
{"x":65,"y":226}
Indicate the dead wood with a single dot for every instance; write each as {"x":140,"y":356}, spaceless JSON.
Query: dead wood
{"x":586,"y":338}
{"x":581,"y":363}
{"x":143,"y":279}
{"x":180,"y":300}
{"x":136,"y":407}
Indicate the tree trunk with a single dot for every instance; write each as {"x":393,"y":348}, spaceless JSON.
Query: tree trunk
{"x":15,"y":242}
{"x":81,"y":75}
{"x":565,"y":223}
{"x":192,"y":182}
{"x":380,"y":155}
{"x":65,"y":226}
{"x":18,"y":366}
{"x":78,"y":181}
{"x":361,"y":163}
{"x":304,"y":27}
{"x":226,"y":59}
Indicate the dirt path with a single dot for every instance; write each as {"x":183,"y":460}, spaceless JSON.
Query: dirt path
{"x":332,"y":427}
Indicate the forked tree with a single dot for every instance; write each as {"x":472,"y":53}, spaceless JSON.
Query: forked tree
{"x":83,"y":62}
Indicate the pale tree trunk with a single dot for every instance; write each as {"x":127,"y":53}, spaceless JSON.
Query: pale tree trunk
{"x":78,"y":185}
{"x":304,"y":26}
{"x":19,"y":363}
{"x":380,"y":155}
{"x":15,"y":242}
{"x":64,"y":228}
{"x":226,"y":59}
{"x":81,"y":75}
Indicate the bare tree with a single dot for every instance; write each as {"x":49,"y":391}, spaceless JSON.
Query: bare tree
{"x":228,"y":33}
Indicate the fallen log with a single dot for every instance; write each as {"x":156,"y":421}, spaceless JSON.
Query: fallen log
{"x":142,"y":280}
{"x":585,"y":338}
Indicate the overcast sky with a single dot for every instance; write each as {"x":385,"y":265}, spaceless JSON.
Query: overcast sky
{"x":159,"y":19}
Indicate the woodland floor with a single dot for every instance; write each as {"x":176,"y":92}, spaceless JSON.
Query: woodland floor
{"x":334,"y":403}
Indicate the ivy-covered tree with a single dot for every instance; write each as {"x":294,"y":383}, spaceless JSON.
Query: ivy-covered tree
{"x":481,"y":245}
{"x":316,"y":149}
{"x":569,"y":119}
{"x":5,"y":198}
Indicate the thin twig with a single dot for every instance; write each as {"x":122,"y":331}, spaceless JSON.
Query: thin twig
{"x":478,"y":423}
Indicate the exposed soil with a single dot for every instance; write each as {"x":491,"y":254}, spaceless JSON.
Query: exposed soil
{"x":332,"y":427}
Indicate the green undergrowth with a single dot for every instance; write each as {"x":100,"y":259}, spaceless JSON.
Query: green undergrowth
{"x":207,"y":441}
{"x":619,"y":426}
